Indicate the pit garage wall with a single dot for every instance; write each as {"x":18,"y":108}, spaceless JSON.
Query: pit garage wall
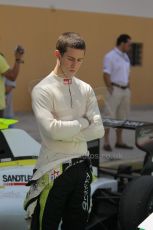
{"x":37,"y":30}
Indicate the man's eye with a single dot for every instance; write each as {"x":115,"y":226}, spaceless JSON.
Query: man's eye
{"x":73,"y":60}
{"x":70,"y":59}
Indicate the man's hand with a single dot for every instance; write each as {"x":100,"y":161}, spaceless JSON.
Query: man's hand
{"x":19,"y":52}
{"x":110,"y":89}
{"x":83,"y":122}
{"x":108,"y":83}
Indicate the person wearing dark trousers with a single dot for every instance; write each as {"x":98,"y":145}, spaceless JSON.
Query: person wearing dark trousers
{"x":68,"y":117}
{"x":69,"y":198}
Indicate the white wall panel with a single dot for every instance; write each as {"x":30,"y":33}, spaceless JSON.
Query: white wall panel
{"x":142,"y":8}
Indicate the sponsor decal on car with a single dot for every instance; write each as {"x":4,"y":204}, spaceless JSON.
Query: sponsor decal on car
{"x":16,"y":180}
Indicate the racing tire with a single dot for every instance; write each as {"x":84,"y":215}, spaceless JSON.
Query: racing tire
{"x":136,"y":203}
{"x":147,"y":165}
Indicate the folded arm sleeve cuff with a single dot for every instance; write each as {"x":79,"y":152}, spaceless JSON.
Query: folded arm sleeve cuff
{"x":96,"y":129}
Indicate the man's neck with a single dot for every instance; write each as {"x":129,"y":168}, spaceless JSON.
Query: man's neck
{"x":120,"y":49}
{"x":59,"y":72}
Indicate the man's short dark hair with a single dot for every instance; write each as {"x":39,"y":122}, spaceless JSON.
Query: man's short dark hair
{"x":71,"y":40}
{"x":123,"y":38}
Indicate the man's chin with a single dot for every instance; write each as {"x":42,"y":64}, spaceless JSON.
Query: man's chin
{"x":71,"y":74}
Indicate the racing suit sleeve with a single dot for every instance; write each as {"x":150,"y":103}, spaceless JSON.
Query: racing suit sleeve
{"x":96,"y":129}
{"x":42,"y":105}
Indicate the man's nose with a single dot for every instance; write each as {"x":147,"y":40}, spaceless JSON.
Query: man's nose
{"x":74,"y":63}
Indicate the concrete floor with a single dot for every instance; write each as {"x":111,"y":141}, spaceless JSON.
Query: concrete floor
{"x":107,"y":159}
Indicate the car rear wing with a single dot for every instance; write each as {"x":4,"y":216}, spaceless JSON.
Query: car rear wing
{"x":124,"y":124}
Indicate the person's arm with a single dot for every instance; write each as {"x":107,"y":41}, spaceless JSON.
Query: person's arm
{"x":107,"y":81}
{"x":9,"y":86}
{"x":96,"y":129}
{"x":42,"y":105}
{"x":12,"y":73}
{"x":8,"y":89}
{"x":129,"y":85}
{"x":107,"y":70}
{"x":129,"y":73}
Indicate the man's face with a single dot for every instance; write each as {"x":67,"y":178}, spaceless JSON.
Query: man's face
{"x":71,"y":61}
{"x":126,"y":46}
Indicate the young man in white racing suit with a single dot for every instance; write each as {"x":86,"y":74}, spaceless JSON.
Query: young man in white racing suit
{"x":68,"y":117}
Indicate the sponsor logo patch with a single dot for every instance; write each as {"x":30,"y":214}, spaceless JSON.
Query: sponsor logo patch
{"x":54,"y":173}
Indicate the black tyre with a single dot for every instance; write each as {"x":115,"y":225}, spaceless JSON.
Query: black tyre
{"x":148,"y":165}
{"x":136,"y":203}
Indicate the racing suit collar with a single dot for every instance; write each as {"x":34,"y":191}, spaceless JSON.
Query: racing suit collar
{"x":64,"y":80}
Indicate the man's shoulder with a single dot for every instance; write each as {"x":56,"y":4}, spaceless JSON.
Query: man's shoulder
{"x":81,"y":83}
{"x":2,"y":59}
{"x":110,"y":54}
{"x":3,"y":65}
{"x":45,"y":81}
{"x":83,"y":86}
{"x":42,"y":84}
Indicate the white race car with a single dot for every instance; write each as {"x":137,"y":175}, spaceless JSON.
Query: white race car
{"x":113,"y":208}
{"x":18,"y":153}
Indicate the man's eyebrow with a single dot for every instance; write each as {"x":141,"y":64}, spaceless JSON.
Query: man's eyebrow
{"x":73,"y":57}
{"x":70,"y":57}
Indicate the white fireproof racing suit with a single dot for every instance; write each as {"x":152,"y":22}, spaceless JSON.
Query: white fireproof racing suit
{"x":68,"y":116}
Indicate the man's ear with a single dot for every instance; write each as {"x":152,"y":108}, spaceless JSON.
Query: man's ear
{"x":57,"y":54}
